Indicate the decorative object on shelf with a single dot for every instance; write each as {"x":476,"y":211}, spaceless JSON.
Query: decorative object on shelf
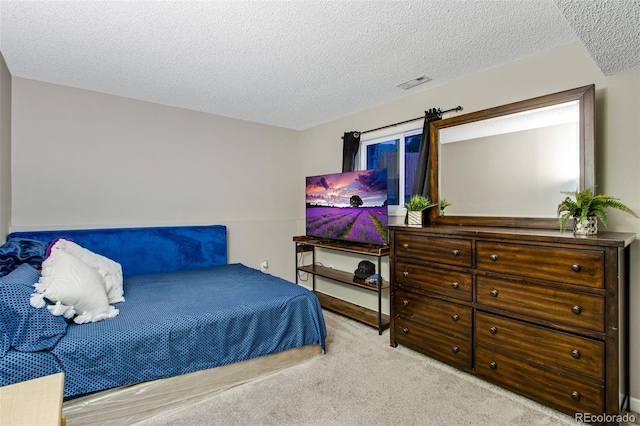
{"x":372,"y":280}
{"x":443,"y":205}
{"x":365,"y":270}
{"x":586,"y":208}
{"x":415,"y":209}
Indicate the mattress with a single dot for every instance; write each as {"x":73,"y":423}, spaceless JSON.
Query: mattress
{"x":181,"y":322}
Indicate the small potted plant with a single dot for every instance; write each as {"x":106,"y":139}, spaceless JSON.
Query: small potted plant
{"x":586,"y":208}
{"x":443,"y":205}
{"x":415,"y":209}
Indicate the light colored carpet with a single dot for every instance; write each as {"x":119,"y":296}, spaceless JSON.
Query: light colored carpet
{"x":361,"y":380}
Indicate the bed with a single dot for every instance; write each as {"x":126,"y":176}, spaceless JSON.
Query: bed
{"x":191,"y":324}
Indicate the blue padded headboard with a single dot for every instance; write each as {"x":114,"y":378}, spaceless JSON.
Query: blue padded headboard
{"x":148,"y":250}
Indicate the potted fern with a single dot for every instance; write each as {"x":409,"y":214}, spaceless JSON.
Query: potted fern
{"x":415,"y":209}
{"x":586,"y":208}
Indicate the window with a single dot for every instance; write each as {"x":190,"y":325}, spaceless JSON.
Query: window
{"x":395,"y":149}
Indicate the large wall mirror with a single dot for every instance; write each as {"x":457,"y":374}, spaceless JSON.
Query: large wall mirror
{"x":507,"y":166}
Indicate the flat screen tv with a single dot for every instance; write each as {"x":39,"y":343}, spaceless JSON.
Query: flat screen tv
{"x":350,"y":206}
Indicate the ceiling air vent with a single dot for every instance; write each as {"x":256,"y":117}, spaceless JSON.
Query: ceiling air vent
{"x":413,"y":82}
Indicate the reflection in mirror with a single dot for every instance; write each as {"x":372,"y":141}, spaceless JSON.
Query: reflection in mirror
{"x":507,"y":166}
{"x":536,"y":156}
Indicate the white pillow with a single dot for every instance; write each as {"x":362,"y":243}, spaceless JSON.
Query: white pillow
{"x":74,"y":287}
{"x":109,"y":270}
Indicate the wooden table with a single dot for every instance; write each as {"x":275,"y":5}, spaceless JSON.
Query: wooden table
{"x":36,"y":402}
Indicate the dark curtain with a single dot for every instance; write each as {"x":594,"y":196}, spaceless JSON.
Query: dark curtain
{"x":421,"y":179}
{"x":350,"y":145}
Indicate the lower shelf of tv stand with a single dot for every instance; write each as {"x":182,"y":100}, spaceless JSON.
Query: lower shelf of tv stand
{"x":340,"y":276}
{"x":353,"y":311}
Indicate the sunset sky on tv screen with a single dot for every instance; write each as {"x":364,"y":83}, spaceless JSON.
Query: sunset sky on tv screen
{"x":335,"y":190}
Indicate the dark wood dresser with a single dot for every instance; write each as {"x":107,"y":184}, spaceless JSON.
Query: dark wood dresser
{"x":537,"y":312}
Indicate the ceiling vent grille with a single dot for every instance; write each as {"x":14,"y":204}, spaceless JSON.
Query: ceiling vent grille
{"x":413,"y":82}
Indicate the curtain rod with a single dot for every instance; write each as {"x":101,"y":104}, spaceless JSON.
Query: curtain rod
{"x":458,"y":108}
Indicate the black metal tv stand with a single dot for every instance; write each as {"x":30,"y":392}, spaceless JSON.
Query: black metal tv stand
{"x":364,"y":315}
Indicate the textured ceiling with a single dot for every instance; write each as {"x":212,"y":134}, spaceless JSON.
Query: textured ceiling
{"x":297,"y":64}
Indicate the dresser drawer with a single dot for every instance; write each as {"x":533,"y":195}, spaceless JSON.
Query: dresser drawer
{"x":441,"y":281}
{"x":559,"y":306}
{"x":449,"y":318}
{"x":546,"y":263}
{"x":432,"y":249}
{"x":560,"y":391}
{"x":540,"y":345}
{"x":431,"y":341}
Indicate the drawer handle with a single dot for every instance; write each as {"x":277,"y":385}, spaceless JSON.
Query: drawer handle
{"x":405,"y":274}
{"x":576,"y":267}
{"x":576,"y":354}
{"x":455,"y":317}
{"x":494,"y":292}
{"x":575,"y":395}
{"x":455,"y":284}
{"x":576,"y":309}
{"x":493,"y":257}
{"x":405,"y":330}
{"x":493,"y":330}
{"x":405,"y":302}
{"x":455,"y":349}
{"x":405,"y":246}
{"x":493,"y":365}
{"x":455,"y":252}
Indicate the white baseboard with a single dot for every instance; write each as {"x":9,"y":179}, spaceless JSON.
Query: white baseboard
{"x":634,"y":405}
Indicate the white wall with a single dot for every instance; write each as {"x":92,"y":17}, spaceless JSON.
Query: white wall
{"x":618,"y":141}
{"x":5,"y":148}
{"x":86,"y":159}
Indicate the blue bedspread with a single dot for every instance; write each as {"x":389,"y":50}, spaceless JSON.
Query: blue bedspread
{"x":17,"y":366}
{"x":177,"y":323}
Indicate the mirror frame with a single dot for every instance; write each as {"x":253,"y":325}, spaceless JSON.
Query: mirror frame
{"x":586,"y":98}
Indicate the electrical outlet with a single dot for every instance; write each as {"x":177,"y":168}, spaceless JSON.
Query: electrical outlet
{"x":264,"y":266}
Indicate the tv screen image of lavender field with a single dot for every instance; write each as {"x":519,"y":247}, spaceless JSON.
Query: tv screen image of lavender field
{"x":348,"y":206}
